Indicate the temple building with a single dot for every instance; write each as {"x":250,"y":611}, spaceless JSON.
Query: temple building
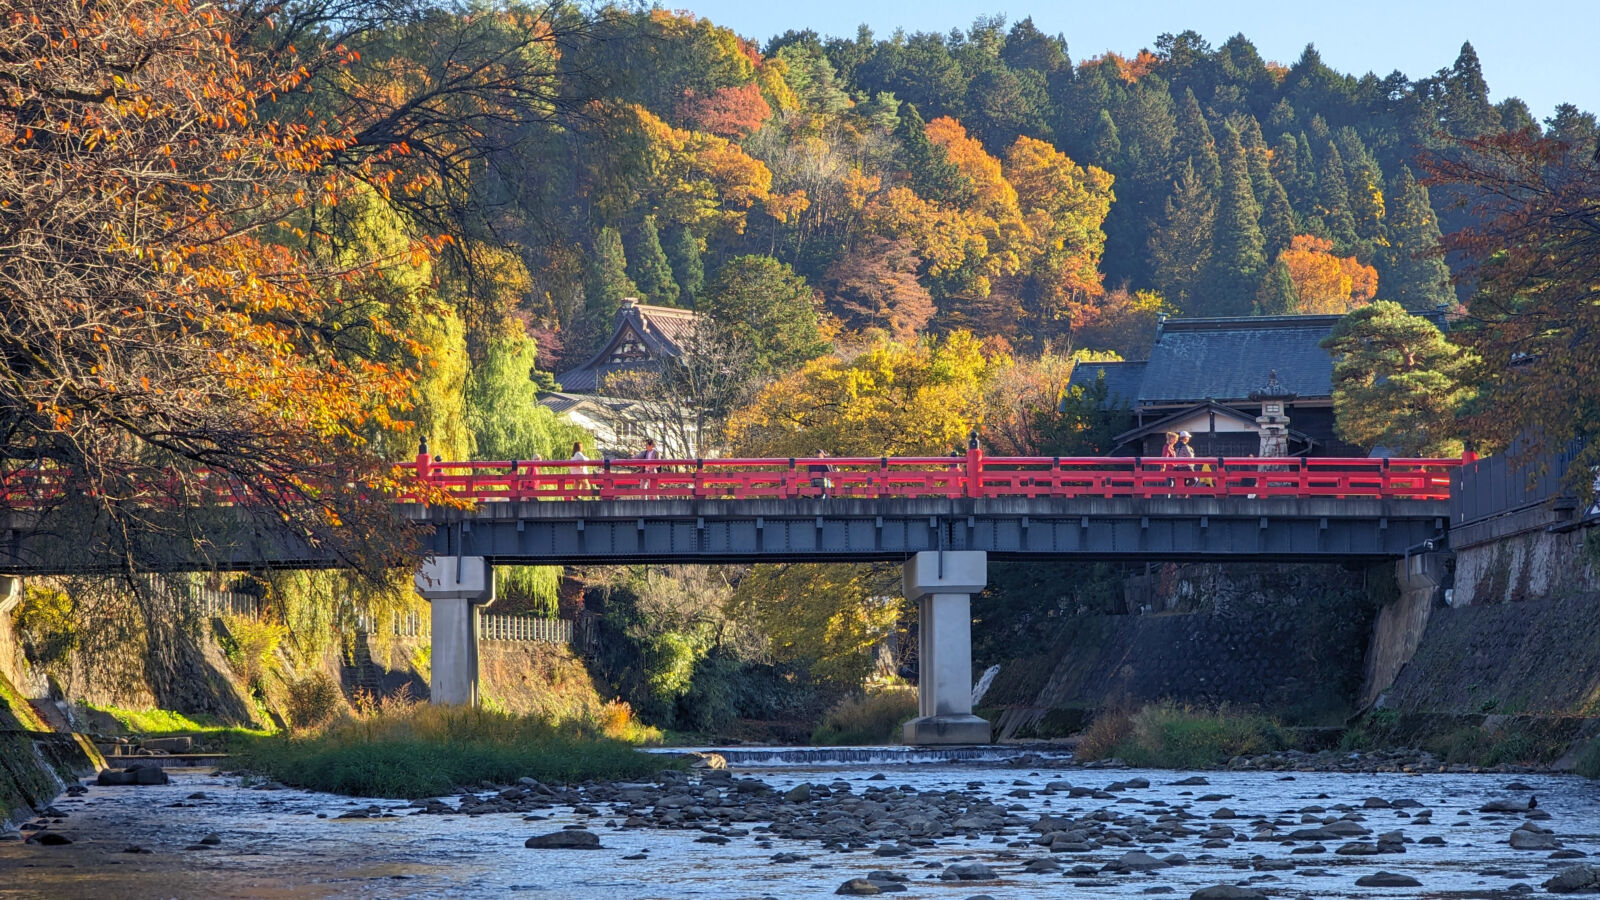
{"x":642,"y":337}
{"x":1236,"y":385}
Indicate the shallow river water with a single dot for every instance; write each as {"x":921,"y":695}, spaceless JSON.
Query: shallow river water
{"x":273,"y":844}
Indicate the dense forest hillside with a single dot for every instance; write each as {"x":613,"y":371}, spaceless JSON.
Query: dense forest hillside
{"x":984,"y":179}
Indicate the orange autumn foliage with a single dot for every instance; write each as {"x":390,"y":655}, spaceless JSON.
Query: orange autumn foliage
{"x":1326,"y":283}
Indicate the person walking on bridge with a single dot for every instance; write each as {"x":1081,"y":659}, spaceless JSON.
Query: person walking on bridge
{"x":579,"y":482}
{"x":1184,"y":451}
{"x":819,"y":474}
{"x":649,"y":452}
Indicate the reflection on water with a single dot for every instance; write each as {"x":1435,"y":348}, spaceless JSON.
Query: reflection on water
{"x":273,"y":845}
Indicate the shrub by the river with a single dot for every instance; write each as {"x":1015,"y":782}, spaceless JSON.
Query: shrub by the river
{"x":425,"y":750}
{"x":871,"y":717}
{"x":1169,"y":736}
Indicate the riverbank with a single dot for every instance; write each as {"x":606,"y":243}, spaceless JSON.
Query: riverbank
{"x":1015,"y":829}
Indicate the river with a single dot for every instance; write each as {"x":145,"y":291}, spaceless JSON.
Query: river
{"x":289,"y":844}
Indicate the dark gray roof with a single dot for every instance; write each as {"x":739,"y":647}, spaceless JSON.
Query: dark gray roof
{"x":1122,"y":379}
{"x":1225,"y":359}
{"x":659,"y":330}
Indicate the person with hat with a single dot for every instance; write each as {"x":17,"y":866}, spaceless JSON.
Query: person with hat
{"x":1184,"y":451}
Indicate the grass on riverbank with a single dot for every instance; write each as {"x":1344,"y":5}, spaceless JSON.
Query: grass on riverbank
{"x":871,"y":717}
{"x":1169,"y":736}
{"x":424,"y":750}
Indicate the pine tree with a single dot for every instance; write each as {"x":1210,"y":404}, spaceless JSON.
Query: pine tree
{"x":608,"y":281}
{"x":1409,"y":270}
{"x":1107,"y":145}
{"x":1180,"y":248}
{"x":1365,"y":189}
{"x":687,"y":266}
{"x":1277,"y":218}
{"x":933,"y":176}
{"x":1333,"y":201}
{"x":1194,"y":143}
{"x":1464,"y":108}
{"x":1276,"y":296}
{"x":1239,"y":255}
{"x":649,"y":266}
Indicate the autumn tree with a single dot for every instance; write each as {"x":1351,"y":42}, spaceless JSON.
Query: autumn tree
{"x":1537,"y":273}
{"x":1397,"y":383}
{"x":875,"y":286}
{"x":1324,"y":283}
{"x":892,"y":400}
{"x":157,"y":347}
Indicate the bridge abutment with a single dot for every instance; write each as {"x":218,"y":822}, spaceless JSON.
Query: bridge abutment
{"x":942,"y":583}
{"x":454,"y":587}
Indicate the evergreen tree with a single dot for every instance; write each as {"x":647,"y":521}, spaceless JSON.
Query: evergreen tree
{"x":649,"y":266}
{"x":1410,"y":270}
{"x":1574,"y":126}
{"x":1365,"y":189}
{"x":1194,"y":143}
{"x":933,"y":175}
{"x":1239,"y":255}
{"x":1277,"y":218}
{"x":1463,"y":106}
{"x":687,"y":266}
{"x":1333,"y":201}
{"x":1277,"y":296}
{"x":761,"y":306}
{"x":608,"y":282}
{"x":1107,"y":146}
{"x":1180,"y":248}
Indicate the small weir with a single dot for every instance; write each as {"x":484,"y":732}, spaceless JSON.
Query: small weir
{"x":764,"y":757}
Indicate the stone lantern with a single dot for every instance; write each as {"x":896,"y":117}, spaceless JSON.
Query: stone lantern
{"x":1273,"y":422}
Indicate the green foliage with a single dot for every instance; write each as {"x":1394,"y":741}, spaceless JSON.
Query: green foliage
{"x":503,"y":412}
{"x":761,"y":304}
{"x":1173,"y":737}
{"x":688,"y":266}
{"x":649,"y":266}
{"x":1397,"y":382}
{"x":873,"y":716}
{"x":426,"y":750}
{"x":1413,"y":261}
{"x":1239,"y":257}
{"x":608,"y":282}
{"x":528,"y":589}
{"x":159,"y":722}
{"x":44,"y":625}
{"x":827,"y":618}
{"x":251,"y":648}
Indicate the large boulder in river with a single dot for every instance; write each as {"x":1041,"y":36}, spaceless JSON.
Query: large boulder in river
{"x":148,"y":775}
{"x":968,"y":871}
{"x":1525,"y":839}
{"x":1575,"y":879}
{"x":565,"y":840}
{"x":1227,"y":892}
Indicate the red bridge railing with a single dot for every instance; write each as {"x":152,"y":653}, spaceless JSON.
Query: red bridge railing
{"x":973,"y":475}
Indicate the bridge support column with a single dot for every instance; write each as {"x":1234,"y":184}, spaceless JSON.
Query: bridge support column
{"x":455,"y":586}
{"x":943,"y":582}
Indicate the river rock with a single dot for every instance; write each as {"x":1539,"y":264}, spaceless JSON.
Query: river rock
{"x":800,"y":793}
{"x":1506,"y":806}
{"x":1191,"y":781}
{"x":1523,"y":839}
{"x":859,"y":887}
{"x":1387,"y":879}
{"x":1573,"y":879}
{"x":50,"y":839}
{"x":968,"y":871}
{"x":564,"y":840}
{"x":1134,"y":861}
{"x":1357,"y":848}
{"x":1227,"y":892}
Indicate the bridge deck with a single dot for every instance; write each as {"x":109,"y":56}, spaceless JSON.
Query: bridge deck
{"x":860,"y":530}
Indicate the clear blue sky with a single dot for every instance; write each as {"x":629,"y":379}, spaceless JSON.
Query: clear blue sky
{"x":1539,"y":50}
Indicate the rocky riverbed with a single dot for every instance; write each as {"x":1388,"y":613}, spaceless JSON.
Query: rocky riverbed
{"x":1030,"y":827}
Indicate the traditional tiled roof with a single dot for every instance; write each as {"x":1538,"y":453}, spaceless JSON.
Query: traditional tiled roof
{"x":1122,"y":379}
{"x":642,"y":337}
{"x":1194,"y":360}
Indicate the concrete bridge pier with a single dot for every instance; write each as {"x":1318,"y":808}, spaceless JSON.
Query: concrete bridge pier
{"x":454,"y":586}
{"x":942,"y":583}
